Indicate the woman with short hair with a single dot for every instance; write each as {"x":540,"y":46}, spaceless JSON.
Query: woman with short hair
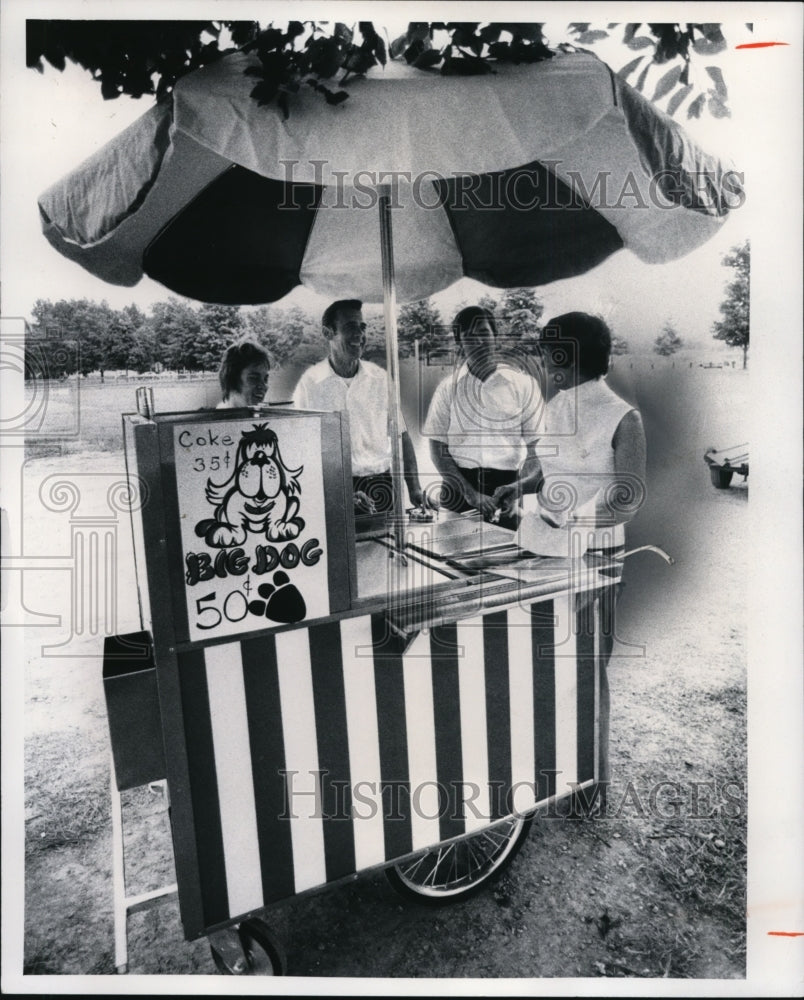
{"x":243,"y":374}
{"x":593,"y":459}
{"x":594,"y":467}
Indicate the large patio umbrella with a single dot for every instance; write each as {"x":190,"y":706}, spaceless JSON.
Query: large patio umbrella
{"x":517,"y":178}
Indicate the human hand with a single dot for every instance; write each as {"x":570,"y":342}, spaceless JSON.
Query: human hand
{"x":483,"y":503}
{"x":506,"y":498}
{"x":363,"y":503}
{"x":420,"y":498}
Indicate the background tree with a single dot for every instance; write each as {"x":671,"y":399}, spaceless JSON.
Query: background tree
{"x":375,"y":336}
{"x":486,"y":301}
{"x":122,"y":342}
{"x":147,"y":57}
{"x":668,"y":342}
{"x":300,"y":339}
{"x":220,"y":327}
{"x":176,"y":328}
{"x":423,"y":322}
{"x":90,"y":325}
{"x":145,"y":354}
{"x":734,"y":328}
{"x":520,"y":312}
{"x":619,"y":345}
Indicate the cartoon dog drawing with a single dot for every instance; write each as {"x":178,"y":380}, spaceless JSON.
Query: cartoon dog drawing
{"x":260,"y":496}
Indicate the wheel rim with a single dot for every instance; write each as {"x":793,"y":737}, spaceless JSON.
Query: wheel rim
{"x":451,"y":869}
{"x":262,"y":953}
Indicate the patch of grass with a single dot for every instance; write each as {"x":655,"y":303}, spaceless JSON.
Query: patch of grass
{"x":66,"y":791}
{"x":708,"y":868}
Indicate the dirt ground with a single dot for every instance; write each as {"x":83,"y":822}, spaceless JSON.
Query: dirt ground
{"x":654,"y":889}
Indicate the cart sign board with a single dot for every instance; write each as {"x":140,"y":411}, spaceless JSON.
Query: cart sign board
{"x":252,"y":523}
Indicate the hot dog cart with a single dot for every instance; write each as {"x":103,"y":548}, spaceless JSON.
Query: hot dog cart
{"x":322,"y":702}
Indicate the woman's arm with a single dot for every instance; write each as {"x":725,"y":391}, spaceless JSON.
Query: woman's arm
{"x":529,"y":481}
{"x":627,"y":491}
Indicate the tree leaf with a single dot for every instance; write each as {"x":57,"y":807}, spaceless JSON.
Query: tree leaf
{"x":464,"y":35}
{"x":642,"y":77}
{"x":264,"y":93}
{"x":717,"y":77}
{"x":336,"y":97}
{"x":531,"y":32}
{"x":666,"y":83}
{"x":694,"y":110}
{"x":428,"y":59}
{"x":708,"y":47}
{"x":343,"y":33}
{"x":630,"y":31}
{"x":629,"y":68}
{"x":716,"y":107}
{"x":678,"y":99}
{"x":491,"y":33}
{"x":589,"y":37}
{"x":641,"y":42}
{"x":457,"y":66}
{"x":368,"y":31}
{"x":398,"y":46}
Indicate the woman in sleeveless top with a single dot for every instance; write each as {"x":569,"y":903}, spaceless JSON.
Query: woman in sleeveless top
{"x":592,"y":455}
{"x":593,"y":459}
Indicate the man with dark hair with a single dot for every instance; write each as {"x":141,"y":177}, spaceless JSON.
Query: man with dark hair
{"x":483,"y":422}
{"x":344,"y":381}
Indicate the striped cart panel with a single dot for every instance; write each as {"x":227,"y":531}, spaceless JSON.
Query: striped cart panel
{"x":323,"y":751}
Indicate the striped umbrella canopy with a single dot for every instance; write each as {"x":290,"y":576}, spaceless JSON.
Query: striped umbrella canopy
{"x":517,"y":178}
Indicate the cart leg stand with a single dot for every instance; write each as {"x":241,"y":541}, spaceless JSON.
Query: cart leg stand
{"x":123,"y":903}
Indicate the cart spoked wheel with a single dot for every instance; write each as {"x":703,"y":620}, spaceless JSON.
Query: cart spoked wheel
{"x":452,"y":872}
{"x":261,"y":952}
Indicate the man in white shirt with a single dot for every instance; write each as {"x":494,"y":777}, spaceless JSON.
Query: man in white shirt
{"x":345,"y":382}
{"x":483,"y":423}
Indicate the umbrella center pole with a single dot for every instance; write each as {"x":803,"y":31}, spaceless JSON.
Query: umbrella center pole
{"x":392,"y":362}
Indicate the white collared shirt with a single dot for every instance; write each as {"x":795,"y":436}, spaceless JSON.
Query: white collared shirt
{"x":364,"y":398}
{"x":486,"y":424}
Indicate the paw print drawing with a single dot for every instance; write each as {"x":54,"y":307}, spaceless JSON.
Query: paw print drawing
{"x":282,"y":601}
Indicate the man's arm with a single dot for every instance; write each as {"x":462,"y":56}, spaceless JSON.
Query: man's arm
{"x":411,"y":467}
{"x":454,"y":480}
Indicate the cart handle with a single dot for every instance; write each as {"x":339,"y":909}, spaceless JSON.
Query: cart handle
{"x":648,"y":548}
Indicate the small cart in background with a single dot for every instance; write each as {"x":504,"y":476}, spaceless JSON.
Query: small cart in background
{"x":723,"y":463}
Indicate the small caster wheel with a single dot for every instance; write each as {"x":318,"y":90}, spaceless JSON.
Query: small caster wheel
{"x":721,"y":477}
{"x":250,"y":949}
